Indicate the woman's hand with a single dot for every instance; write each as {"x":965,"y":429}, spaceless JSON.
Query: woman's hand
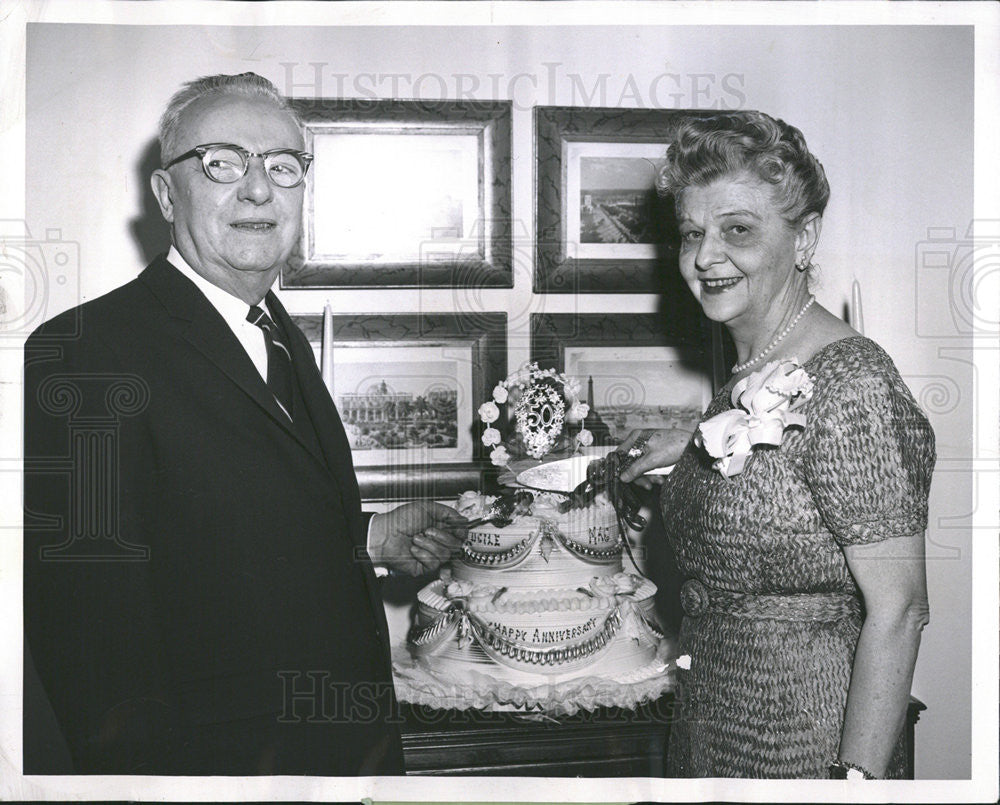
{"x":660,"y":448}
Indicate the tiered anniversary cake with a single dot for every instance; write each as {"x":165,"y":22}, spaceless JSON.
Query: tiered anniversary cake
{"x":539,"y":611}
{"x":544,"y":599}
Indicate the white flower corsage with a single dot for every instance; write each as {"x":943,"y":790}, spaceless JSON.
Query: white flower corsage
{"x":765,"y":405}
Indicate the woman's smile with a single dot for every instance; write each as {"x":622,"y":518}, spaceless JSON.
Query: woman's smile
{"x":719,"y":284}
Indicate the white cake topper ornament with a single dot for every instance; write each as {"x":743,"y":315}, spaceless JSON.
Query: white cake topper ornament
{"x":544,"y":402}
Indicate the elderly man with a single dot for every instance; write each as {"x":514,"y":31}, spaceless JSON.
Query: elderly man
{"x":199,"y":589}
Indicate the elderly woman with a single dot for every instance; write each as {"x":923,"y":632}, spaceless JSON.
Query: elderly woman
{"x":797,"y":513}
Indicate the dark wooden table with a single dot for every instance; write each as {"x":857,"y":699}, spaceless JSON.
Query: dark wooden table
{"x":608,"y":742}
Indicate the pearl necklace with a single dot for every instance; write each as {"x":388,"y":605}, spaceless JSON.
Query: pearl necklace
{"x":791,"y":325}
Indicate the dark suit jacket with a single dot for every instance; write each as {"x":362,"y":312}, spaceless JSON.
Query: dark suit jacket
{"x":197,"y":596}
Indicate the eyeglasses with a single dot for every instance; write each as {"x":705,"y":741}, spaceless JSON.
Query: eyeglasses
{"x":227,"y":163}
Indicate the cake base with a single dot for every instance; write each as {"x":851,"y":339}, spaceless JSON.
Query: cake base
{"x":418,"y":683}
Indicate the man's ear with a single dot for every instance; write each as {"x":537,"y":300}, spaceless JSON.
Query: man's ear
{"x":162,"y":186}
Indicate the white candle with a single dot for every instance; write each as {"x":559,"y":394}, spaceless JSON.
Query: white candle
{"x":859,"y":322}
{"x":326,"y":349}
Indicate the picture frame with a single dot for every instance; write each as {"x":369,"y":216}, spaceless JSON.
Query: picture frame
{"x":635,"y":370}
{"x":600,"y":226}
{"x":408,"y":397}
{"x":438,"y":171}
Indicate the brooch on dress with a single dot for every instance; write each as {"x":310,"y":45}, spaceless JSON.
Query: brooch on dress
{"x":765,"y":406}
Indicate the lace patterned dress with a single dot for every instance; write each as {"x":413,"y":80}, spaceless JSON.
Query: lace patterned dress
{"x":772,"y":614}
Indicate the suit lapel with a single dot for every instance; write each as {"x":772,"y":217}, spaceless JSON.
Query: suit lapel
{"x":208,"y":333}
{"x":333,"y":441}
{"x":321,"y":409}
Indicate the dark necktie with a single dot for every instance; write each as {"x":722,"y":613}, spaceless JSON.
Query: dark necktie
{"x":279,"y":359}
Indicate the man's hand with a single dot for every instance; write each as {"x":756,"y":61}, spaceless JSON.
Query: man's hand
{"x":416,"y":538}
{"x":661,"y":448}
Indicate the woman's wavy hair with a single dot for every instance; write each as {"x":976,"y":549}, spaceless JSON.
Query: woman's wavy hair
{"x":704,"y":149}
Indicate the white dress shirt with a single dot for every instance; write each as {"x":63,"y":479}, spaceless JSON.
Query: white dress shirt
{"x":232,"y":309}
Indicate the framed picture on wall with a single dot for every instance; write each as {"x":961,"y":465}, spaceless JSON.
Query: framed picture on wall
{"x":407,"y":388}
{"x":636,"y":371}
{"x":405,"y":194}
{"x":600,"y":225}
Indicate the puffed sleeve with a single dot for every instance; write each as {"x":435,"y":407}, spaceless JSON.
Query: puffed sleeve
{"x":869,"y":456}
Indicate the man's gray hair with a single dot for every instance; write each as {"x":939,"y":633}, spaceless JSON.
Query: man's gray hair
{"x":249,"y":85}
